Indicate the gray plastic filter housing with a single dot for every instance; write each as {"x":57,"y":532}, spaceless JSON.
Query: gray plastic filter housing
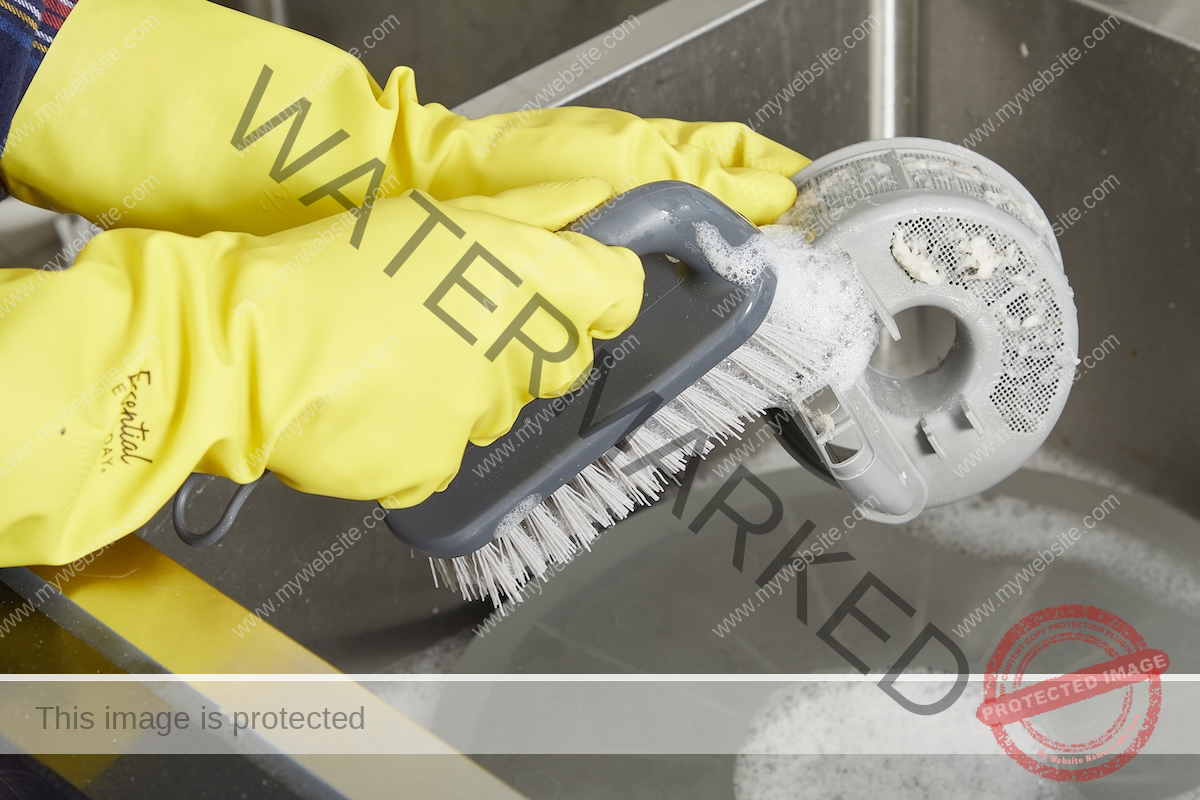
{"x":936,"y":230}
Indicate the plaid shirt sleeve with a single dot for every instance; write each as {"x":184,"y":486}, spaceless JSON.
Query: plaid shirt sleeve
{"x":27,"y":28}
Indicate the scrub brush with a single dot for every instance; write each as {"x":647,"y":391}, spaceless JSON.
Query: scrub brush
{"x":738,"y":321}
{"x":734,"y":322}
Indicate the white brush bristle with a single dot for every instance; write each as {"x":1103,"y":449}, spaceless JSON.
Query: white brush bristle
{"x":820,"y":331}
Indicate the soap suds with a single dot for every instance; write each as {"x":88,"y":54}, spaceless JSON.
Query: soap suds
{"x":820,"y":304}
{"x":788,"y":753}
{"x":519,"y":513}
{"x":741,"y":265}
{"x":1061,"y":462}
{"x":821,"y":298}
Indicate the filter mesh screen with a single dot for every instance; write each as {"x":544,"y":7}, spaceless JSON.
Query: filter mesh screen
{"x":972,"y":256}
{"x":1023,"y":303}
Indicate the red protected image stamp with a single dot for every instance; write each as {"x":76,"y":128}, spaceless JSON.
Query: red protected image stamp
{"x":1096,"y":715}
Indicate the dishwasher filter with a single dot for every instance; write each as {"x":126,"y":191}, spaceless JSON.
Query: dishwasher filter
{"x":980,"y":341}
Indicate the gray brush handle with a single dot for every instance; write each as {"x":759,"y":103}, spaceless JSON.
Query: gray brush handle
{"x":661,"y":218}
{"x":681,"y":337}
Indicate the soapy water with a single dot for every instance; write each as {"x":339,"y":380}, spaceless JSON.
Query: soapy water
{"x":1061,"y":462}
{"x":833,"y":739}
{"x":1011,"y":528}
{"x":841,"y":739}
{"x":820,"y":304}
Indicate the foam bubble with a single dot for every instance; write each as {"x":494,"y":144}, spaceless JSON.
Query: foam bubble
{"x":819,"y":303}
{"x":522,"y":510}
{"x":821,"y":298}
{"x":741,"y":265}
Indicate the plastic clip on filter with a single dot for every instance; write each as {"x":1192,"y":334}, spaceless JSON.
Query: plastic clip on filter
{"x":733,"y":322}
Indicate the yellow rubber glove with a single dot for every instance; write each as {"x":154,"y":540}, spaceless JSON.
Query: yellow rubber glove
{"x":159,"y":354}
{"x":132,"y":121}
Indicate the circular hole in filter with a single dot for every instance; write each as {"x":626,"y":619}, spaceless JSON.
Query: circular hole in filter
{"x":927,"y":335}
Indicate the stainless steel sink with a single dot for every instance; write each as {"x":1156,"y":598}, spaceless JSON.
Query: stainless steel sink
{"x":1123,"y":122}
{"x":1124,"y":117}
{"x":458,"y":48}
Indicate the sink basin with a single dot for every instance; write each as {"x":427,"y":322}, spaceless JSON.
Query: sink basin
{"x":1120,"y":124}
{"x":458,"y":48}
{"x":1110,"y":148}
